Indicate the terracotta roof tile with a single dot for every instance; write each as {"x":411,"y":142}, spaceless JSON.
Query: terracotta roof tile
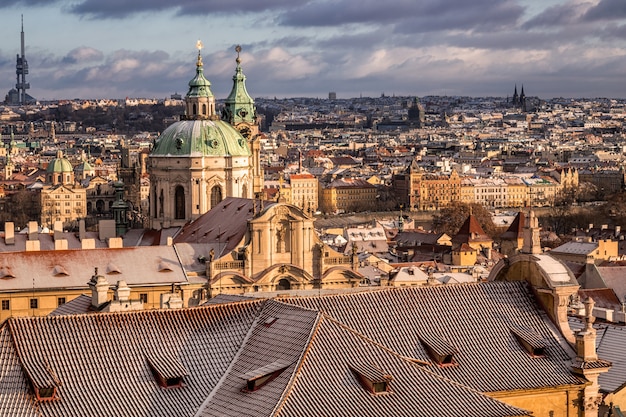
{"x":474,"y":318}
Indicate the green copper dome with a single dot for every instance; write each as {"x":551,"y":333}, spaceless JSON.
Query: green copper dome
{"x":59,"y":164}
{"x":201,"y":138}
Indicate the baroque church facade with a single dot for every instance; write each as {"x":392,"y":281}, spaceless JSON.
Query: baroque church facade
{"x":202,"y":159}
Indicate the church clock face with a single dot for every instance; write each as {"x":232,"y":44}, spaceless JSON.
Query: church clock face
{"x":245,"y":132}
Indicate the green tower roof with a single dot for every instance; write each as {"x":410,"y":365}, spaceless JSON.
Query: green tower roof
{"x":199,"y":86}
{"x":239,"y":106}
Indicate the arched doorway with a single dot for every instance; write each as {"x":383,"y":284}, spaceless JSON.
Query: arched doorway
{"x":283,"y":285}
{"x":179,"y":202}
{"x":216,"y":195}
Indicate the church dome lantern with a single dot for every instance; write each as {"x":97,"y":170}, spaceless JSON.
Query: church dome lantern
{"x":60,"y":170}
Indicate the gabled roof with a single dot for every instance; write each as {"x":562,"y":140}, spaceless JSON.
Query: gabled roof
{"x":576,"y":248}
{"x":73,"y":268}
{"x":516,"y":229}
{"x":475,"y":318}
{"x":471,"y":231}
{"x":113,"y":364}
{"x":417,"y":238}
{"x":225,"y":224}
{"x":100,"y":363}
{"x":326,"y":385}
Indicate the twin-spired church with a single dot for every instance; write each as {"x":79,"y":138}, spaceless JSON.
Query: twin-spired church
{"x":204,"y":158}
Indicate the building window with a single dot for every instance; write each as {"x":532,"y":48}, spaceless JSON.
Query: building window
{"x":143,"y":297}
{"x":34,"y":303}
{"x":179,"y":203}
{"x":60,"y":301}
{"x":216,"y":195}
{"x":6,"y":305}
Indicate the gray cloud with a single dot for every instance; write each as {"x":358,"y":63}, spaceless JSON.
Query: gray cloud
{"x":98,"y":9}
{"x":479,"y":47}
{"x":607,"y":10}
{"x":415,"y":16}
{"x":613,"y":32}
{"x":82,"y":54}
{"x":26,"y":3}
{"x":558,"y":15}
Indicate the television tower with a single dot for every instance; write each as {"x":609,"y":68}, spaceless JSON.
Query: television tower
{"x":21,"y":69}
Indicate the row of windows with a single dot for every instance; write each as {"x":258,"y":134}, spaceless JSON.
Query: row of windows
{"x":67,"y":196}
{"x":67,"y":204}
{"x":33,"y":303}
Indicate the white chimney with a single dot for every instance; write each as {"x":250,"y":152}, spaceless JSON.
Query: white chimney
{"x":99,"y":289}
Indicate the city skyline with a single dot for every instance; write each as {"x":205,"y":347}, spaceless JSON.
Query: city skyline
{"x":93,"y":49}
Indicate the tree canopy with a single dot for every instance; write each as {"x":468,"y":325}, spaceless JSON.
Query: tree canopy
{"x":450,"y":219}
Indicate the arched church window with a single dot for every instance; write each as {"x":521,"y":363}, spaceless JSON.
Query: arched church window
{"x":179,"y":209}
{"x":204,"y":109}
{"x":216,"y":195}
{"x":244,"y":191}
{"x":283,"y":285}
{"x":161,"y":203}
{"x":195,"y":110}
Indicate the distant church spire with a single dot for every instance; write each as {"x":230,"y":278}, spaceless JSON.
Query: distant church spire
{"x":522,"y":99}
{"x":199,"y":101}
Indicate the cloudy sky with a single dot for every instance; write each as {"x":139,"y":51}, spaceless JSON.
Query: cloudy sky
{"x":146,"y":48}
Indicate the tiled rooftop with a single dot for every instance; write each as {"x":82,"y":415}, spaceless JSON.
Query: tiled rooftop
{"x":474,"y":318}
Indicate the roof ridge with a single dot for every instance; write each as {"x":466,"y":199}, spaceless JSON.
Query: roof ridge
{"x":290,"y":384}
{"x":233,"y":362}
{"x":151,"y":312}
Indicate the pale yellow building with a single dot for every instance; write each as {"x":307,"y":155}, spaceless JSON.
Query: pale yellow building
{"x":346,"y":195}
{"x":304,"y":192}
{"x":62,"y":203}
{"x":61,"y":198}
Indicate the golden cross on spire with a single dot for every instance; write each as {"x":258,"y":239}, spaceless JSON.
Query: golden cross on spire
{"x":199,"y":46}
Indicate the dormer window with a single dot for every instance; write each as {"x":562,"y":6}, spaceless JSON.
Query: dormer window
{"x":439,"y":350}
{"x":41,"y":377}
{"x":259,"y":377}
{"x":46,"y":393}
{"x":6,"y":273}
{"x":371,"y":377}
{"x":113,"y":269}
{"x":59,"y":271}
{"x":168,"y":370}
{"x":531,"y":341}
{"x":165,"y":266}
{"x":270,"y":321}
